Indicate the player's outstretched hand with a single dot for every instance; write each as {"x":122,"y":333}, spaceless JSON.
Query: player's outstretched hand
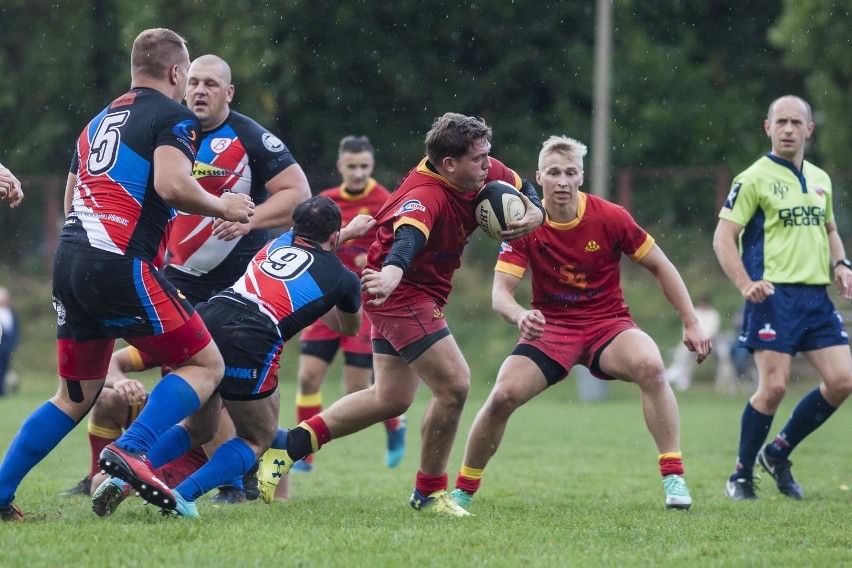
{"x":697,"y":341}
{"x":238,"y":207}
{"x":10,"y":188}
{"x":531,"y":324}
{"x":357,"y":227}
{"x":526,"y":224}
{"x":380,"y":284}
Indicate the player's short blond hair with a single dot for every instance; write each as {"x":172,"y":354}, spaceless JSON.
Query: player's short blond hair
{"x":572,"y":149}
{"x":155,"y":51}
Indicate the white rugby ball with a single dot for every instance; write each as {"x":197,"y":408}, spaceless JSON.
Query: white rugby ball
{"x":496,"y":204}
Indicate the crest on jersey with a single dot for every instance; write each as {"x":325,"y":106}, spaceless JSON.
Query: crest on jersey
{"x":409,"y":206}
{"x":220,"y":144}
{"x":272,"y":142}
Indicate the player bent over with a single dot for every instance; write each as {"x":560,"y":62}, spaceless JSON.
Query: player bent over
{"x":578,"y":316}
{"x":118,"y":405}
{"x":358,"y":194}
{"x":290,"y":283}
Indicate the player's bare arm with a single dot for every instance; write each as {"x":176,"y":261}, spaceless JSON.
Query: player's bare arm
{"x":530,"y":322}
{"x":10,"y":187}
{"x":174,"y":183}
{"x":837,"y":253}
{"x":380,"y":284}
{"x":342,"y":322}
{"x":286,"y":190}
{"x":725,"y":241}
{"x":673,"y":288}
{"x":130,"y":390}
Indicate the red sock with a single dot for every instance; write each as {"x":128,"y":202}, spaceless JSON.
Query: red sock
{"x":428,"y":484}
{"x":98,"y":443}
{"x":320,"y":431}
{"x":467,"y":484}
{"x":304,"y":413}
{"x":392,"y":424}
{"x":671,"y":464}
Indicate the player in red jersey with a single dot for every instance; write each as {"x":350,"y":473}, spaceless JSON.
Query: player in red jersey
{"x":134,"y":165}
{"x":423,"y":229}
{"x":578,"y":316}
{"x":358,"y":194}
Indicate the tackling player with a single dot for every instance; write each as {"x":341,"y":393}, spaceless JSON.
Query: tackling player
{"x":358,"y":194}
{"x":578,"y":316}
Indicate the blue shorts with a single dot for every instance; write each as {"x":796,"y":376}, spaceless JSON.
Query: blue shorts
{"x":795,"y":318}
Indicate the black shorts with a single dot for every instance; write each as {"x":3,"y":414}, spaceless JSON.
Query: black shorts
{"x":250,"y":345}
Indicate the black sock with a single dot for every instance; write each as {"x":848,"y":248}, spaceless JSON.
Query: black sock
{"x":299,"y":443}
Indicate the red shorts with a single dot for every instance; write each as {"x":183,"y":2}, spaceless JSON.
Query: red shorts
{"x":174,"y":472}
{"x":403,"y":326}
{"x":571,"y":343}
{"x":360,"y":343}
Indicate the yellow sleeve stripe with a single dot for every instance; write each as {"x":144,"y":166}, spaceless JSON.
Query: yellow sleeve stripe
{"x":414,"y":223}
{"x":513,"y":269}
{"x":643,"y":250}
{"x":135,"y":359}
{"x":106,"y":433}
{"x":309,"y":399}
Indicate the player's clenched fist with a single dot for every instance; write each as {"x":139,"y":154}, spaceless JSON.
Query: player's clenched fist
{"x":10,"y":188}
{"x":238,"y":207}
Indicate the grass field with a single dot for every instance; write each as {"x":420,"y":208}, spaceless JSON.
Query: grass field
{"x":574,"y":484}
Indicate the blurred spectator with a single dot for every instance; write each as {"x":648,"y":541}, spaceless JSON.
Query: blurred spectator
{"x":8,"y":339}
{"x":679,"y":373}
{"x":736,"y":363}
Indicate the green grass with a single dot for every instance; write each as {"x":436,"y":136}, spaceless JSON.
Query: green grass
{"x":573,"y":484}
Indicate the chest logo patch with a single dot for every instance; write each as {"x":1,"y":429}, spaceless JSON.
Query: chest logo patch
{"x":592,"y":246}
{"x":272,"y":142}
{"x":219,"y":145}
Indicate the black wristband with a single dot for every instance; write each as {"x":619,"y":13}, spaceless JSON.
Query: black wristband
{"x":845,"y":262}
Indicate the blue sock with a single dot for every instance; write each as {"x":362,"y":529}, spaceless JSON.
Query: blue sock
{"x":171,"y":445}
{"x":172,"y":400}
{"x":755,"y":427}
{"x":279,"y":442}
{"x":39,"y":434}
{"x":232,"y":459}
{"x":808,"y":415}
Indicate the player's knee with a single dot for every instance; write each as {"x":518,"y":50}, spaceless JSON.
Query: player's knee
{"x":503,"y":402}
{"x":309,"y":382}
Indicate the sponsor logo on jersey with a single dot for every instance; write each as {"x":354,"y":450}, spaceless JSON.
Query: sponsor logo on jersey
{"x":409,"y":206}
{"x":183,"y":130}
{"x":732,"y":196}
{"x":505,"y":247}
{"x":219,"y":144}
{"x":202,"y":170}
{"x":592,"y":246}
{"x":240,"y":373}
{"x":802,"y":216}
{"x":124,"y":100}
{"x":272,"y":142}
{"x":767,"y":333}
{"x":779,"y":189}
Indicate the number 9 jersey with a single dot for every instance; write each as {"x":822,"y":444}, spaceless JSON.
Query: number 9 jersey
{"x":115,"y":207}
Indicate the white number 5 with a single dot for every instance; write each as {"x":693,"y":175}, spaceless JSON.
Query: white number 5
{"x":105,"y":143}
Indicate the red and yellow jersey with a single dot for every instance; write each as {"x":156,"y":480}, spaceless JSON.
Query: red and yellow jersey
{"x":442,"y":212}
{"x":367,"y":202}
{"x":575,"y":266}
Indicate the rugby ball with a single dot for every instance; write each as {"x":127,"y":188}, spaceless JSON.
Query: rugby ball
{"x":496,"y":204}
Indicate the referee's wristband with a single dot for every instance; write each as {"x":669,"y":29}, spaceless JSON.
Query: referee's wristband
{"x":845,"y":262}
